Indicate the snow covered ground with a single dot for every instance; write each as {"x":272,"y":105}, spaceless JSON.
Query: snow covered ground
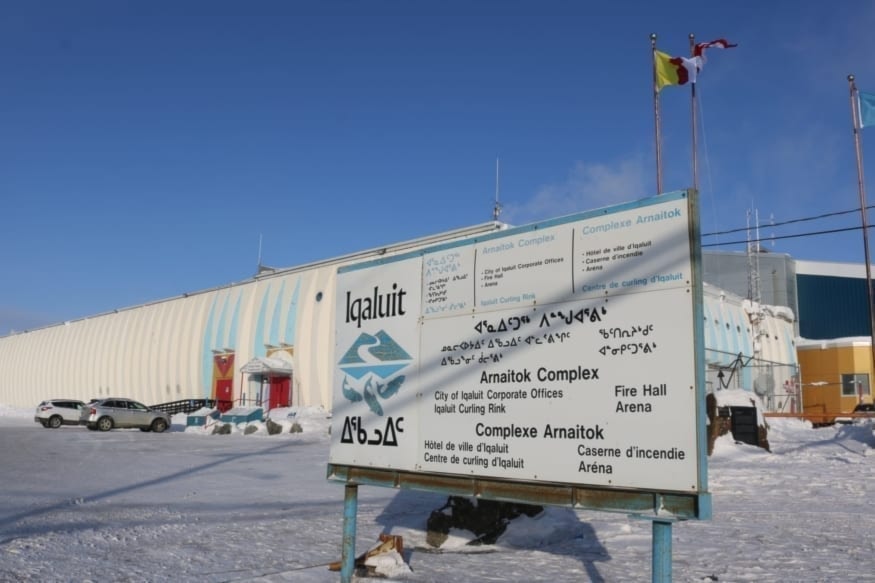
{"x":79,"y":505}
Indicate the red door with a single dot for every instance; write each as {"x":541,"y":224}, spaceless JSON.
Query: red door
{"x":280,"y":391}
{"x":224,"y":394}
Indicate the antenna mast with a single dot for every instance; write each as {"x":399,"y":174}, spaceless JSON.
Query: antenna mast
{"x":258,"y":267}
{"x":496,"y":208}
{"x":753,"y":260}
{"x":754,"y":292}
{"x":259,"y":248}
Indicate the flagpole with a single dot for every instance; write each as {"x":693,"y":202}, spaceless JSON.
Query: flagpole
{"x":861,"y":188}
{"x":693,"y":117}
{"x":656,"y":120}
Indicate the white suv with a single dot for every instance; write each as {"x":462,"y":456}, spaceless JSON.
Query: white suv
{"x":56,"y":412}
{"x":105,"y":414}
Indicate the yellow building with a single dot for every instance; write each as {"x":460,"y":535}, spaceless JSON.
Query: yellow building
{"x":835,"y":376}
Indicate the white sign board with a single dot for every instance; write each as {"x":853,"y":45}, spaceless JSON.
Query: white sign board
{"x":563,"y":352}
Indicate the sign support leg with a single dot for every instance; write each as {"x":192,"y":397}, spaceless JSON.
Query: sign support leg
{"x":661,"y":560}
{"x":350,"y":508}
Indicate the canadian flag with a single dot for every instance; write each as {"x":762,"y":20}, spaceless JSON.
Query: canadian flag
{"x":720,"y":43}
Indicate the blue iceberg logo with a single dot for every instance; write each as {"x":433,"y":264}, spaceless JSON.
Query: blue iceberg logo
{"x":369,"y":366}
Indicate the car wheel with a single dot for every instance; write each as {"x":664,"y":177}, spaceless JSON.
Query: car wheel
{"x":44,"y":423}
{"x":55,"y":421}
{"x":159,"y":425}
{"x":104,"y":423}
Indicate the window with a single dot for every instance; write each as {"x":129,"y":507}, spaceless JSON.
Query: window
{"x":855,"y":384}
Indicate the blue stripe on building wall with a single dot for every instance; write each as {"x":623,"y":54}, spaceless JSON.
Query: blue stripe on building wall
{"x":738,"y":334}
{"x":232,"y":338}
{"x":745,"y":346}
{"x":731,"y":332}
{"x":724,"y":340}
{"x":258,"y":347}
{"x":728,"y":335}
{"x":747,"y":343}
{"x":710,"y":341}
{"x":219,"y":340}
{"x":277,"y":314}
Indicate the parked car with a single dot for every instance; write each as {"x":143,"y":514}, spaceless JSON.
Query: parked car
{"x":115,"y":412}
{"x":861,"y":411}
{"x":56,"y":412}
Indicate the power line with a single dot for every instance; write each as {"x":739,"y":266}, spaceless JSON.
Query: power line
{"x":790,"y":222}
{"x":772,"y":238}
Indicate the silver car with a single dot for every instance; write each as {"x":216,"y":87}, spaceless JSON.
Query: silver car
{"x":114,"y":412}
{"x":56,"y":412}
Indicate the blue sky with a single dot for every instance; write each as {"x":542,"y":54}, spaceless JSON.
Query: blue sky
{"x":146,"y":147}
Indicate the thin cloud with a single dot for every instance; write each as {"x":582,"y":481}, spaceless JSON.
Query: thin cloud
{"x":589,"y":186}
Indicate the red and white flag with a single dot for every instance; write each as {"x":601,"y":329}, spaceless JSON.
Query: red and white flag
{"x":720,"y":43}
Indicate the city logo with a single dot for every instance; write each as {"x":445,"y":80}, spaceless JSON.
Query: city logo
{"x":370,"y":369}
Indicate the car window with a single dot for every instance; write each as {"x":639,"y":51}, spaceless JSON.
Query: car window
{"x":137,"y":406}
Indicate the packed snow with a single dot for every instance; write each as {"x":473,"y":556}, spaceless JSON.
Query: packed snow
{"x":188,"y":505}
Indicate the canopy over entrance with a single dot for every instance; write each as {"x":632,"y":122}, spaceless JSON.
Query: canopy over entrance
{"x":266,"y":365}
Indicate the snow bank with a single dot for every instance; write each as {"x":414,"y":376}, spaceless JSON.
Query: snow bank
{"x":308,"y":420}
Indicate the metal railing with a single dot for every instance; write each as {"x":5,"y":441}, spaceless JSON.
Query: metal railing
{"x":192,"y":405}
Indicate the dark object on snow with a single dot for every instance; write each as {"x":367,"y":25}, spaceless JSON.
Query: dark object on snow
{"x":740,"y":421}
{"x":387,"y":543}
{"x":296,"y":428}
{"x":222,"y":429}
{"x":273,"y":428}
{"x":744,"y":425}
{"x":487,"y":519}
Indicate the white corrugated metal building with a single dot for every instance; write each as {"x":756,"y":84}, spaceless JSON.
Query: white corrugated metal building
{"x":247,"y":341}
{"x":751,"y":346}
{"x":269,"y":340}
